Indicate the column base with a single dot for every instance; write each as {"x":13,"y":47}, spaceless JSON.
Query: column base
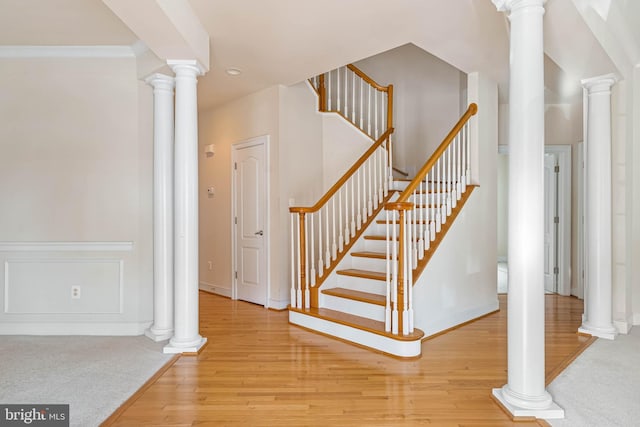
{"x":546,"y":408}
{"x":189,"y":347}
{"x":157,"y":334}
{"x":609,"y":333}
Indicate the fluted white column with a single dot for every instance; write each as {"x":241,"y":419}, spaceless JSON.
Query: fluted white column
{"x":598,"y":320}
{"x":186,"y":338}
{"x":525,"y":393}
{"x":162,"y":327}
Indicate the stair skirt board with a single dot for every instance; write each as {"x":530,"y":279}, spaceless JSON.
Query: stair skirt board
{"x":357,"y":308}
{"x":399,"y":348}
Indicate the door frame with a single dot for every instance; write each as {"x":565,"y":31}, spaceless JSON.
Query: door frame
{"x":563,"y":153}
{"x":263,"y":140}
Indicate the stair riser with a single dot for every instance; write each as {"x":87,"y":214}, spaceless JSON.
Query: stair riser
{"x":358,"y":308}
{"x":361,"y":284}
{"x":371,"y":264}
{"x":358,"y":336}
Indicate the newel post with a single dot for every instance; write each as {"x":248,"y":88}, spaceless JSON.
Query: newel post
{"x":322,"y":94}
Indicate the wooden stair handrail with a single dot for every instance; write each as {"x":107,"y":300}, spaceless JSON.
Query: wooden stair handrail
{"x":334,"y":189}
{"x":368,"y":79}
{"x":471,"y":111}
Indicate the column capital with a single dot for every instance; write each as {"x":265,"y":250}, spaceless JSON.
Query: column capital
{"x":510,"y":5}
{"x":600,"y":83}
{"x":160,"y":81}
{"x":189,"y":65}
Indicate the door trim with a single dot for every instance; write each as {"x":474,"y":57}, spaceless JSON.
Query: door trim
{"x":563,"y":153}
{"x":235,"y":147}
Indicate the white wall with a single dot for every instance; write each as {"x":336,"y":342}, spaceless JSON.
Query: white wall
{"x":76,"y":160}
{"x":502,"y":197}
{"x":288,"y":115}
{"x":245,"y":118}
{"x":460,"y":281}
{"x":426,"y":100}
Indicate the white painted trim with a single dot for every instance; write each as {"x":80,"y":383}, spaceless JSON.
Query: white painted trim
{"x":636,"y":319}
{"x":217,"y":290}
{"x":7,"y":283}
{"x":68,"y":51}
{"x":278,"y":304}
{"x":258,"y":140}
{"x":563,"y":153}
{"x":623,"y":326}
{"x":502,"y":259}
{"x":79,"y":327}
{"x":358,"y":336}
{"x":66,"y":246}
{"x":552,"y":412}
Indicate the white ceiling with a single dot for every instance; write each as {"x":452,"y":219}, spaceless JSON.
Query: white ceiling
{"x":287,"y":41}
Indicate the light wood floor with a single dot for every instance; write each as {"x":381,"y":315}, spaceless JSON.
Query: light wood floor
{"x":258,"y":370}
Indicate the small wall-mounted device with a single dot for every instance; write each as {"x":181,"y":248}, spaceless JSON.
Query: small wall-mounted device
{"x":210,"y":150}
{"x":211,"y":191}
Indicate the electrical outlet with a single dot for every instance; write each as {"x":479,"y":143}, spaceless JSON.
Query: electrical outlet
{"x":75,"y":292}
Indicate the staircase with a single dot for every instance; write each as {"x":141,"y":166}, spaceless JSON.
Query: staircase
{"x":357,"y":253}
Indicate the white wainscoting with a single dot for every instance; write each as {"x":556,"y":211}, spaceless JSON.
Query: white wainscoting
{"x":43,"y":286}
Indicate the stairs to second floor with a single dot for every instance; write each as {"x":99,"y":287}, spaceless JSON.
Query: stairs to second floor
{"x":358,"y":252}
{"x":352,"y":303}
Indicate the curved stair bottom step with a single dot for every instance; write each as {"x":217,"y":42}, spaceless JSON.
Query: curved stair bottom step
{"x":404,"y":347}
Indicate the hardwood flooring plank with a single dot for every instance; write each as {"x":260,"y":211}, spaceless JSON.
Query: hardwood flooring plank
{"x":259,"y":370}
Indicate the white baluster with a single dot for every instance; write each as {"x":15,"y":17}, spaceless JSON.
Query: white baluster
{"x":341,"y":236}
{"x":414,"y":235}
{"x":454,"y":199}
{"x":320,"y":260}
{"x":361,"y":103}
{"x":312,"y":263}
{"x":390,"y":165}
{"x":466,"y":138}
{"x":293,"y":261}
{"x":371,"y":189}
{"x":346,"y":92}
{"x":329,"y":91}
{"x":334,"y":246}
{"x":375,"y":100}
{"x":443,"y":190}
{"x":369,"y":111}
{"x":433,"y":207}
{"x":327,"y":255}
{"x":387,"y":309}
{"x":338,"y":88}
{"x":438,"y":194}
{"x":458,"y":162}
{"x":405,"y":268}
{"x":423,"y":208}
{"x":449,"y":177}
{"x":299,"y":288}
{"x":427,"y":215}
{"x":353,"y":204}
{"x":359,"y":218}
{"x":394,"y":289}
{"x":347,"y":232}
{"x":365,"y":215}
{"x":381,"y":176}
{"x":306,"y":264}
{"x":353,"y":97}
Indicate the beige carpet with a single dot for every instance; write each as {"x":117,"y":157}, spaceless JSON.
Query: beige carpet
{"x":601,"y":388}
{"x":94,"y":375}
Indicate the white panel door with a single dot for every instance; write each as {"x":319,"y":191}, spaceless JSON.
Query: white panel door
{"x":250,"y":227}
{"x":550,"y":225}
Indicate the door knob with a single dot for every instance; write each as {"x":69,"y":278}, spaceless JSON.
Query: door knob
{"x":259,"y":233}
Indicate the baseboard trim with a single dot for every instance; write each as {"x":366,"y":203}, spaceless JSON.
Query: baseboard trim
{"x":636,"y":319}
{"x":275,"y":304}
{"x":66,"y":246}
{"x":74,"y":328}
{"x":213,"y":289}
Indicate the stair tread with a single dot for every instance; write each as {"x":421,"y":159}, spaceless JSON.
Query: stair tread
{"x":369,"y":254}
{"x":367,"y":297}
{"x":357,"y":322}
{"x":367,"y":274}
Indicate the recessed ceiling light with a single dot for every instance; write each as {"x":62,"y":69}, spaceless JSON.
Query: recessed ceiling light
{"x":233,"y":71}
